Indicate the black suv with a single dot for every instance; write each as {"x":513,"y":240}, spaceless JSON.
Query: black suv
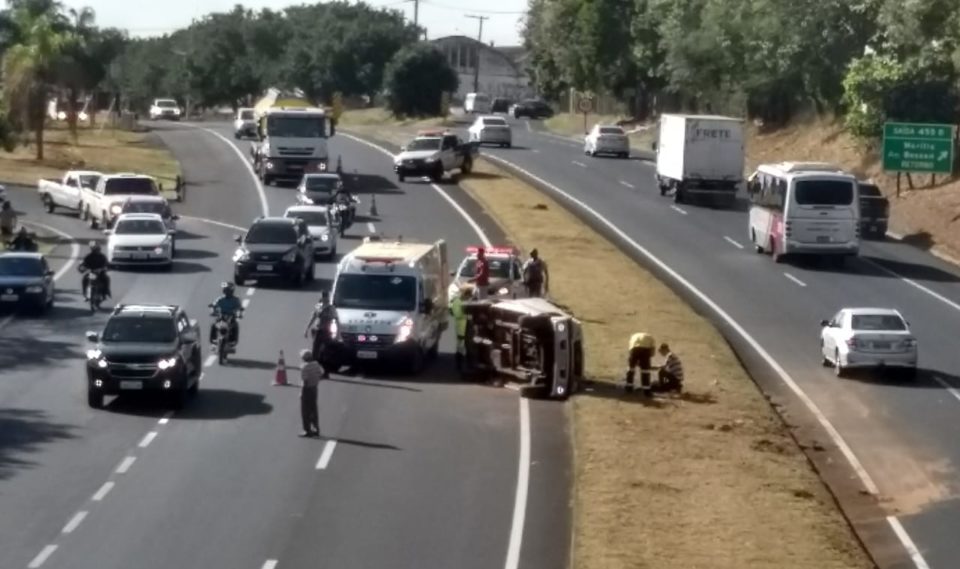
{"x":533,"y":109}
{"x":275,"y":247}
{"x":144,"y":348}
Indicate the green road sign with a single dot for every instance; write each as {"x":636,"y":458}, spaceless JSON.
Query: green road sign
{"x":918,"y":147}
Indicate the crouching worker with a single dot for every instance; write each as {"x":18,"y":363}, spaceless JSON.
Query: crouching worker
{"x":641,"y":354}
{"x":670,"y":374}
{"x":460,"y":320}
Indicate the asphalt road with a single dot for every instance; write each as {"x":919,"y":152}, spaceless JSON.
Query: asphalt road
{"x":903,"y":434}
{"x":413,"y":472}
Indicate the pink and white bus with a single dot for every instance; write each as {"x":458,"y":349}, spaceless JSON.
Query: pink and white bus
{"x":804,"y":208}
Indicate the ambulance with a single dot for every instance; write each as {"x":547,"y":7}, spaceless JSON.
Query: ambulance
{"x":506,"y":272}
{"x":389,"y":298}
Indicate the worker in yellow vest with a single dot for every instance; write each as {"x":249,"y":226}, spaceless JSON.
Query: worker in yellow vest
{"x":641,"y":348}
{"x":460,"y":321}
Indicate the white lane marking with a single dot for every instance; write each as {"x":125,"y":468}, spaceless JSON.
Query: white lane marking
{"x":907,"y":542}
{"x":251,"y":291}
{"x":627,"y":184}
{"x":733,"y":242}
{"x":950,"y":389}
{"x":835,"y":436}
{"x":269,"y":564}
{"x":246,"y":162}
{"x":209,"y":361}
{"x":245,"y":303}
{"x":166,"y":417}
{"x":74,"y":522}
{"x":581,"y":164}
{"x":916,"y":285}
{"x":527,"y":122}
{"x":795,"y":279}
{"x":678,"y":209}
{"x":326,"y":455}
{"x":103,"y":491}
{"x":147,"y":439}
{"x":42,"y":557}
{"x":371,"y":227}
{"x":535,"y":151}
{"x":214,"y":222}
{"x":523,"y":483}
{"x":125,"y":464}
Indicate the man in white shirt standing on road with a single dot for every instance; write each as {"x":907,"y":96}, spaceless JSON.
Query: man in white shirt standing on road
{"x":310,"y":375}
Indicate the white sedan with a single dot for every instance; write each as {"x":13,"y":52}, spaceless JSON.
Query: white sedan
{"x":140,"y":239}
{"x":607,"y":139}
{"x":320,"y":222}
{"x":875,"y":338}
{"x":491,"y":130}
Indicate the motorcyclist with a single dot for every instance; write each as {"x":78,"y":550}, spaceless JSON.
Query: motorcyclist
{"x":227,"y":305}
{"x":95,"y":261}
{"x":8,"y":220}
{"x":23,"y":241}
{"x":343,"y":200}
{"x":324,"y":314}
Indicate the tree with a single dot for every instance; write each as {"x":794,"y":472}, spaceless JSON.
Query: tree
{"x":416,"y":79}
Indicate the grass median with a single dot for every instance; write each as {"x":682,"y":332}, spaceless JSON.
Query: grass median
{"x":107,"y":150}
{"x":711,"y":479}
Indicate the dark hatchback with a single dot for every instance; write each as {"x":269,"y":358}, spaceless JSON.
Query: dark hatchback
{"x":275,"y":247}
{"x":531,"y":108}
{"x":144,"y":349}
{"x":26,"y":281}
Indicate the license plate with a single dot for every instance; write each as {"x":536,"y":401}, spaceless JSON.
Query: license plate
{"x":140,"y":255}
{"x":9,"y":297}
{"x":823,"y":238}
{"x":882,"y":345}
{"x":366,"y":355}
{"x":264,"y":267}
{"x":131,"y":385}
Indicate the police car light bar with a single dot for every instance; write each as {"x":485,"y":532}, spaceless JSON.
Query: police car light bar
{"x":432,"y":132}
{"x":493,"y":250}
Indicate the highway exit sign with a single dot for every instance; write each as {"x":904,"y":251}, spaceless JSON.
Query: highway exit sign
{"x":918,"y":147}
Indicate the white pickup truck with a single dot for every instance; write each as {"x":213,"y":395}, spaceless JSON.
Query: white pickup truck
{"x":101,"y":205}
{"x":66,"y":192}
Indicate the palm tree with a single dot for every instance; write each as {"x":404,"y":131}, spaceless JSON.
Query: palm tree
{"x":29,"y":62}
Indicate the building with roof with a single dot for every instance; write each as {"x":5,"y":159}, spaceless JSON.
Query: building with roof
{"x":500,"y":74}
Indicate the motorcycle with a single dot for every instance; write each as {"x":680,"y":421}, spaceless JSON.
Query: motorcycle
{"x":97,"y":287}
{"x":346,"y":212}
{"x":30,"y":246}
{"x":221,"y":337}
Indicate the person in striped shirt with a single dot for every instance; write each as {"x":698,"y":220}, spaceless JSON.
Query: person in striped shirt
{"x":670,"y":374}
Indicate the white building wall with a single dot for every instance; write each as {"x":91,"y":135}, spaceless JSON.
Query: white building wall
{"x":499,"y":77}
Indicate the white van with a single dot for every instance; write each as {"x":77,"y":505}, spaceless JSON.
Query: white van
{"x":478,"y":103}
{"x":391,"y":304}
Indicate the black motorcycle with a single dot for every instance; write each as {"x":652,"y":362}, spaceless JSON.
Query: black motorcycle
{"x":346,"y":212}
{"x":97,"y":290}
{"x":223,"y":343}
{"x":27,"y":246}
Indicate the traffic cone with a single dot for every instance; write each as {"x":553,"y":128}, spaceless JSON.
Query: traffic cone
{"x":373,"y":206}
{"x":339,"y":164}
{"x":281,"y":375}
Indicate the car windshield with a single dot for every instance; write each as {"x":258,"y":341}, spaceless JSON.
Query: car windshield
{"x":312,"y":218}
{"x":424,"y":144}
{"x":139,"y":227}
{"x":870,"y":190}
{"x":166,"y":103}
{"x":824,"y":192}
{"x":246,"y":115}
{"x":20,"y":267}
{"x":159,"y":208}
{"x":131,"y":186}
{"x":296,"y":127}
{"x":878,"y":322}
{"x":321,"y":184}
{"x":376,"y":292}
{"x":611,"y":130}
{"x":89,"y":181}
{"x":148,"y":330}
{"x":494,"y":122}
{"x":499,"y":268}
{"x":272,"y":234}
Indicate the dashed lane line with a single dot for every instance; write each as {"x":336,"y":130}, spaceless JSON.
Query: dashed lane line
{"x":581,"y":164}
{"x":326,"y":455}
{"x":679,"y":210}
{"x":147,"y":439}
{"x":371,"y":227}
{"x":125,"y":464}
{"x":42,"y":557}
{"x":795,"y":279}
{"x":251,"y":291}
{"x":627,"y":185}
{"x":245,"y":304}
{"x":74,"y":522}
{"x":733,"y":242}
{"x":269,"y":564}
{"x":103,"y":491}
{"x":209,"y":361}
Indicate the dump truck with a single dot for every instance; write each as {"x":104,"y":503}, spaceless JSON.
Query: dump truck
{"x":292,"y":135}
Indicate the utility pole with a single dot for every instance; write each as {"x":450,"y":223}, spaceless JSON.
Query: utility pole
{"x":476,"y":70}
{"x":416,"y":13}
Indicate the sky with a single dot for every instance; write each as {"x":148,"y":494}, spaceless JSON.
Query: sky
{"x":440,"y":17}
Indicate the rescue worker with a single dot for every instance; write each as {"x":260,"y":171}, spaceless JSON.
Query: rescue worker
{"x":228,"y":305}
{"x":641,"y":353}
{"x":324,"y":314}
{"x":481,"y":278}
{"x":670,"y":374}
{"x":95,"y":261}
{"x":23,"y":241}
{"x":460,"y":321}
{"x":310,"y":375}
{"x":536,"y":277}
{"x":8,"y":220}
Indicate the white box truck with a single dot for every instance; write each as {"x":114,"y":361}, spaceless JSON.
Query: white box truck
{"x":700,"y":157}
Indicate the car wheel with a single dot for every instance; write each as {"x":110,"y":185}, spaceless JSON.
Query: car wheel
{"x":239,"y":278}
{"x":48,"y":204}
{"x":94,"y":399}
{"x":756,"y":246}
{"x":415,"y":361}
{"x":774,"y":254}
{"x":434,"y":349}
{"x":401,"y":178}
{"x":838,"y":368}
{"x":311,"y":270}
{"x":824,"y":360}
{"x":91,"y":221}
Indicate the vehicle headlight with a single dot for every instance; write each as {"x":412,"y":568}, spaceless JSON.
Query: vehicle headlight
{"x":325,"y":237}
{"x":290,"y":257}
{"x":503,"y":290}
{"x":323,"y":166}
{"x":334,"y":329}
{"x":431,"y":159}
{"x":241,"y":254}
{"x":167,"y":363}
{"x":116,"y":208}
{"x":94,"y":354}
{"x":159,"y":249}
{"x":406,"y":329}
{"x":269,"y":165}
{"x":34,"y":289}
{"x":176,"y":111}
{"x":908,"y":343}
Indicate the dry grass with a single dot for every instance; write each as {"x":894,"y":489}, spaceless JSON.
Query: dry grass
{"x":570,"y":125}
{"x":107,"y":151}
{"x":711,"y":480}
{"x":378,"y":116}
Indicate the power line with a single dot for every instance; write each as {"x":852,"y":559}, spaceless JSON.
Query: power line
{"x":460,"y":9}
{"x":476,"y":68}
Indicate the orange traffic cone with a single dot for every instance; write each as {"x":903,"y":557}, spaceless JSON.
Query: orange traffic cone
{"x":281,"y":375}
